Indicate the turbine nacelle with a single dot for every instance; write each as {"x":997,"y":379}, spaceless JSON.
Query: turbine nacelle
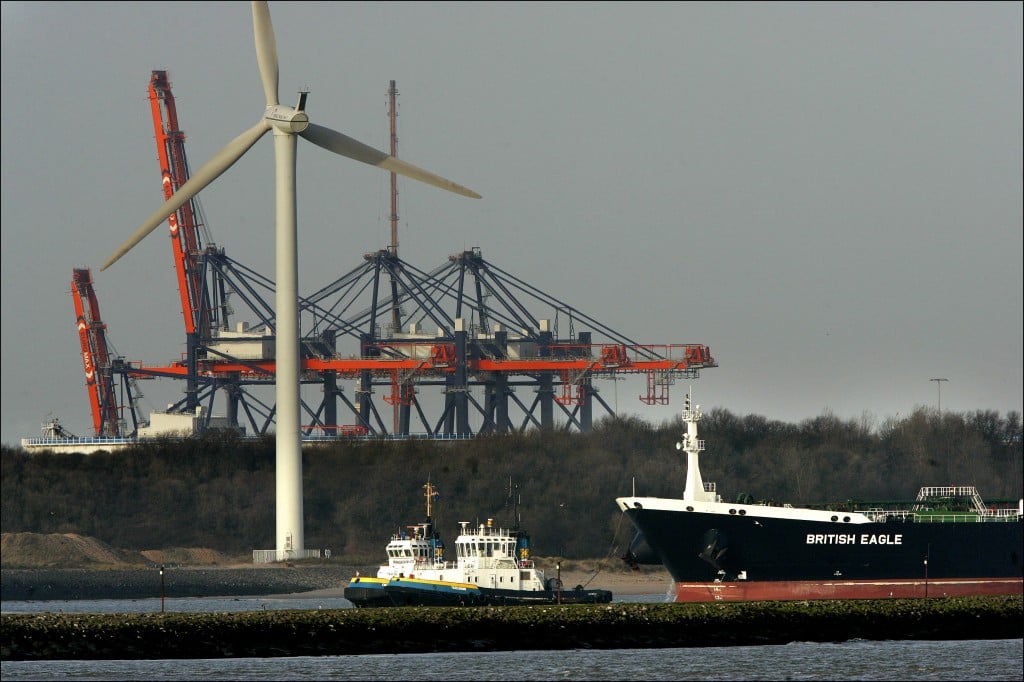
{"x":286,"y":119}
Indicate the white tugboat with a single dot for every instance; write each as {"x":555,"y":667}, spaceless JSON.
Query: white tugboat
{"x":492,"y":566}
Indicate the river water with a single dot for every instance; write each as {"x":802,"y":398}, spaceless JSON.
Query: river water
{"x":851,"y":660}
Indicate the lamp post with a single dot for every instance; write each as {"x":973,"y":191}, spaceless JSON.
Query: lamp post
{"x":949,"y":462}
{"x":161,"y":589}
{"x":938,"y":384}
{"x":558,"y":580}
{"x":927,"y":553}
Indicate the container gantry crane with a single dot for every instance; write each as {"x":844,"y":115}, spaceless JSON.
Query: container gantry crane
{"x":100,"y":365}
{"x":468,"y":328}
{"x":203,"y":298}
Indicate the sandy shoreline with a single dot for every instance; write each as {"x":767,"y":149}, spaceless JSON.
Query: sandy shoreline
{"x":326,"y":581}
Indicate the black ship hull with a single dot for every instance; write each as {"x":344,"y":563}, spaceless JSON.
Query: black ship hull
{"x":721,"y":552}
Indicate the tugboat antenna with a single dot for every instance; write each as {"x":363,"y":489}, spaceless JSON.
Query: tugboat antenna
{"x":513,"y":495}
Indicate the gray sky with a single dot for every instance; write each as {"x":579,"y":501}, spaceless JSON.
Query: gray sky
{"x":827,"y":195}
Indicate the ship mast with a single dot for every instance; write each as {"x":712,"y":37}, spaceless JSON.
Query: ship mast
{"x":431,"y":493}
{"x":692,"y":446}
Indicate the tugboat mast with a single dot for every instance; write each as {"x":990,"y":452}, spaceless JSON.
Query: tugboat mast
{"x":515,"y":500}
{"x":431,"y":493}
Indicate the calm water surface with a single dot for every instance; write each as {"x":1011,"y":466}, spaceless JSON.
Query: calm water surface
{"x":854,"y":660}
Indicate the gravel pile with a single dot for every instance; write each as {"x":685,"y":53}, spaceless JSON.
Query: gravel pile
{"x":75,"y":583}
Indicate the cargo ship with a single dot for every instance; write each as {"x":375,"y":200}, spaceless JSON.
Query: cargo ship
{"x":946,"y":542}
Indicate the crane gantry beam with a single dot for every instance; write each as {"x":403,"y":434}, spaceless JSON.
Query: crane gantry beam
{"x":695,"y":357}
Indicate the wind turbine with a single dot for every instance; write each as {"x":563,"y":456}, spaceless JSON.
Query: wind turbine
{"x":285,"y":122}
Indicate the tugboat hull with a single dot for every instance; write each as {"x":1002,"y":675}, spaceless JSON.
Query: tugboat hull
{"x":370,"y":592}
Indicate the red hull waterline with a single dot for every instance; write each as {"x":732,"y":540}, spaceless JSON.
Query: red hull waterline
{"x":851,"y":589}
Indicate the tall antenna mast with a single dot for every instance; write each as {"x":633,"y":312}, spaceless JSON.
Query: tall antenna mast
{"x":396,"y":309}
{"x":393,"y":116}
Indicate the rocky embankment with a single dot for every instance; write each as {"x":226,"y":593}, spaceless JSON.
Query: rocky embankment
{"x":335,"y":632}
{"x":143,"y":583}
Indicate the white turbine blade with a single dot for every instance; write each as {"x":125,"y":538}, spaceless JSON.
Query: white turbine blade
{"x":344,"y":145}
{"x":220,"y":162}
{"x":266,"y":50}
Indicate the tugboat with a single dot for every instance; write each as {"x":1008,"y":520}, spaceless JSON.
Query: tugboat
{"x":947,"y":542}
{"x":492,"y":567}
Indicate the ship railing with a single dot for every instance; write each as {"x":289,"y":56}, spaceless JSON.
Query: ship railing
{"x":876,"y":514}
{"x":1004,"y":513}
{"x":947,"y":491}
{"x":958,"y":517}
{"x":25,"y":442}
{"x":39,"y":443}
{"x":988,"y":516}
{"x":486,"y":531}
{"x":442,"y":565}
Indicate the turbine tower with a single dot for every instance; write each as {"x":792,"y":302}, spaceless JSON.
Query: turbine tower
{"x":286,"y":122}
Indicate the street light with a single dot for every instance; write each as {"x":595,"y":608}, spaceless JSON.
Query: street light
{"x":949,"y":458}
{"x":938,"y":384}
{"x":927,"y":553}
{"x":161,"y":589}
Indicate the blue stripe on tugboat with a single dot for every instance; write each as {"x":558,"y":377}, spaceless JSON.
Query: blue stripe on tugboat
{"x":492,"y":567}
{"x":946,"y":542}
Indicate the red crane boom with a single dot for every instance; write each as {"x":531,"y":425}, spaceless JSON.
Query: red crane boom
{"x":95,"y":356}
{"x":184,"y":224}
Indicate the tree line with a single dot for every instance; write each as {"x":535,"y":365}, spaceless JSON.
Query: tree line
{"x":218,"y":491}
